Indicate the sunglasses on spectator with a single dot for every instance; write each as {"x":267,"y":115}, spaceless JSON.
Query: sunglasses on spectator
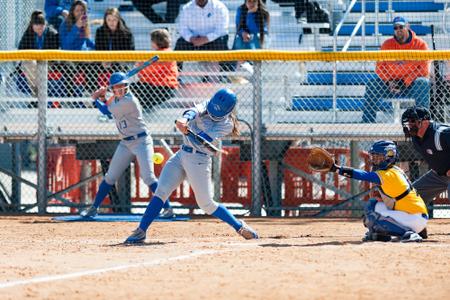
{"x":400,"y":27}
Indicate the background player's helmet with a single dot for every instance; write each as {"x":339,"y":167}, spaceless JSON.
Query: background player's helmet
{"x":221,"y":104}
{"x":414,"y":113}
{"x":389,"y":151}
{"x":118,"y":78}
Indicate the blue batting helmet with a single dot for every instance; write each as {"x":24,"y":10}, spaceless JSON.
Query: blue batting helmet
{"x":118,"y":78}
{"x":389,"y":151}
{"x":221,"y":104}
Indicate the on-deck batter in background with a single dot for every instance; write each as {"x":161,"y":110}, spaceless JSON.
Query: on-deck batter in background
{"x":135,"y":139}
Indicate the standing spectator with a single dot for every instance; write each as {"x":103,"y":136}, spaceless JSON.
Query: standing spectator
{"x":74,"y":34}
{"x":432,"y":141}
{"x":113,"y":35}
{"x":39,"y":35}
{"x":406,"y":79}
{"x":203,"y":25}
{"x":158,"y":82}
{"x":252,"y":23}
{"x":172,"y":10}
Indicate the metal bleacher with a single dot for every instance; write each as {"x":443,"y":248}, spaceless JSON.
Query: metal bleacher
{"x":307,"y":96}
{"x":317,"y":91}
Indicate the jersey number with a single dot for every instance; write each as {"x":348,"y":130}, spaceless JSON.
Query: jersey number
{"x":123,"y":124}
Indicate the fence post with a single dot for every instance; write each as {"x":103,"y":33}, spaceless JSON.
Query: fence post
{"x":41,"y":193}
{"x":16,"y":191}
{"x":257,"y":133}
{"x":354,"y":185}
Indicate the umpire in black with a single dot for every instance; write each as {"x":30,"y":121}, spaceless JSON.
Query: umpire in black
{"x":432,"y":141}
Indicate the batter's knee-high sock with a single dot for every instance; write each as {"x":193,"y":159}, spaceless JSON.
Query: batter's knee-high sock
{"x":152,"y":211}
{"x":153,"y":187}
{"x":103,"y":190}
{"x":224,"y":214}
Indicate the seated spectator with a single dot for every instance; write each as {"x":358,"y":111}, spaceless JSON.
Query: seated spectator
{"x":113,"y":35}
{"x":300,"y":10}
{"x":203,"y":25}
{"x":158,"y":82}
{"x":57,"y":11}
{"x":398,"y":79}
{"x":172,"y":10}
{"x":74,"y":34}
{"x":74,"y":31}
{"x":252,"y":23}
{"x":39,"y":35}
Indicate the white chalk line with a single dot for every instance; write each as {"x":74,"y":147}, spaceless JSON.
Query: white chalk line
{"x":152,"y":263}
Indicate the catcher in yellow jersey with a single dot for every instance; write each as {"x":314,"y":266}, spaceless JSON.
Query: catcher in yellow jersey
{"x":402,"y":213}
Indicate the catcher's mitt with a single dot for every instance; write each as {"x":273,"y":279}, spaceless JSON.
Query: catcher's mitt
{"x":320,"y":160}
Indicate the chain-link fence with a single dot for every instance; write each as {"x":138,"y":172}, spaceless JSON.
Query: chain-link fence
{"x":57,"y":145}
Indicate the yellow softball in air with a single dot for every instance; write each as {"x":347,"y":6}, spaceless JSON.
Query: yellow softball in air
{"x":157,"y":158}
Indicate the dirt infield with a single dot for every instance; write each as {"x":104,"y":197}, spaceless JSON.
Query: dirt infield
{"x":205,"y":259}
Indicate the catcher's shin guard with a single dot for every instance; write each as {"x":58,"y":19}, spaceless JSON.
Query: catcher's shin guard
{"x":373,"y":236}
{"x":379,"y":224}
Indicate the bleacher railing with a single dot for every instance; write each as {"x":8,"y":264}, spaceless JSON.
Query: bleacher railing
{"x":285,"y":97}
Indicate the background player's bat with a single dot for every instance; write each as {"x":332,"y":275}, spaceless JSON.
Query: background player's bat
{"x":137,"y":69}
{"x":147,"y":63}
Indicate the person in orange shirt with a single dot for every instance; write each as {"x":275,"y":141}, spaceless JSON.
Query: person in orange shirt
{"x":398,"y":79}
{"x":158,"y":82}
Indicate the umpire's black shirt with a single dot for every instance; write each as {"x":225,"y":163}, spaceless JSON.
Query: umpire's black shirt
{"x":434,"y":147}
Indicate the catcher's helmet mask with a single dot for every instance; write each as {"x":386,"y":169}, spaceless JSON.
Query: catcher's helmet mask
{"x":411,"y":115}
{"x":388,"y":151}
{"x":221,"y":104}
